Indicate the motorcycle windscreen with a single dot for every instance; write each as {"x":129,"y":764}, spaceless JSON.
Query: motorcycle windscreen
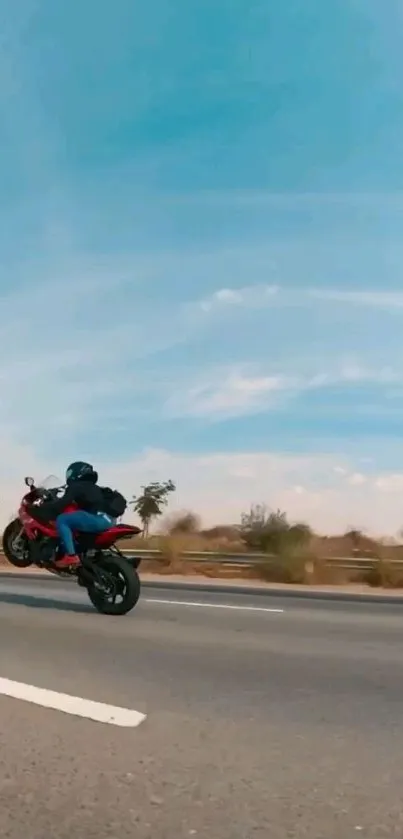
{"x":51,"y":482}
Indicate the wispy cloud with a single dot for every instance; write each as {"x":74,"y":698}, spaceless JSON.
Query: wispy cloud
{"x":355,"y":373}
{"x":230,"y":393}
{"x":240,"y":390}
{"x":249,"y":296}
{"x":229,"y":299}
{"x":377,"y":299}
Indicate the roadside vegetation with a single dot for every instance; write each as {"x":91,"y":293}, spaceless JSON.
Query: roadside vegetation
{"x":295,"y":554}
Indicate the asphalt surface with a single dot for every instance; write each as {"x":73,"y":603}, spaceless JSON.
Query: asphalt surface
{"x":259,"y":723}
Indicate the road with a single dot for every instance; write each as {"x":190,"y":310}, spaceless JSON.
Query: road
{"x":259,"y":723}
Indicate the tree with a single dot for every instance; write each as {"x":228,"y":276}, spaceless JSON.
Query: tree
{"x":150,"y":503}
{"x":271,"y":532}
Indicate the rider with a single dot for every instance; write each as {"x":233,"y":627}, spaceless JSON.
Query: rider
{"x":82,"y":489}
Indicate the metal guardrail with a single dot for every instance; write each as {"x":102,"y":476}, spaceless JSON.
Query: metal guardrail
{"x":349,"y":563}
{"x":247,"y":560}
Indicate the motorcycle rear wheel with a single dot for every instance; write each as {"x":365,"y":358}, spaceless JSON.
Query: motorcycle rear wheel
{"x":121,"y":581}
{"x":16,"y":545}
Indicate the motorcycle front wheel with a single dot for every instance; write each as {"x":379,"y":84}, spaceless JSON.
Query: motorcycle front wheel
{"x":118,"y":589}
{"x":16,"y":545}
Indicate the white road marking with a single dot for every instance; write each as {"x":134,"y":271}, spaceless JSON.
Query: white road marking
{"x":213,"y":605}
{"x":96,"y":711}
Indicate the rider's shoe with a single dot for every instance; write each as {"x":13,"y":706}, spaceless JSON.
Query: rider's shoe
{"x":67,"y":561}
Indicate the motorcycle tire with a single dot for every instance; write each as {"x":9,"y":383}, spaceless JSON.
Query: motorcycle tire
{"x":22,"y":559}
{"x":123,"y":576}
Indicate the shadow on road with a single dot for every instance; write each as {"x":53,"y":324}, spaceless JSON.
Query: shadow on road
{"x":46,"y":603}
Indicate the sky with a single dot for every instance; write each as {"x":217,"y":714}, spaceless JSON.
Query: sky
{"x":201,"y":252}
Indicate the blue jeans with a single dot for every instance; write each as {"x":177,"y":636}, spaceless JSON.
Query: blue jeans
{"x":81,"y":521}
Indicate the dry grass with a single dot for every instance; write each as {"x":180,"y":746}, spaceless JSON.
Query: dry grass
{"x":298,"y":566}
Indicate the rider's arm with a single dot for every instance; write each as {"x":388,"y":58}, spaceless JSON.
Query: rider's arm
{"x":56,"y":507}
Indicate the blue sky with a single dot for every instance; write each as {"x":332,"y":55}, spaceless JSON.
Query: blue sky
{"x":201,"y":250}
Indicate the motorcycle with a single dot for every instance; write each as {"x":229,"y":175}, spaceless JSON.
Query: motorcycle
{"x":111,"y":579}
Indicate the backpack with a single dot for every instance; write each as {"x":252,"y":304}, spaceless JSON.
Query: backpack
{"x":114,"y":502}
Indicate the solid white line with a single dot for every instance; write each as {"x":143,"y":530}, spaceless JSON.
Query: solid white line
{"x":96,"y":711}
{"x":213,"y":605}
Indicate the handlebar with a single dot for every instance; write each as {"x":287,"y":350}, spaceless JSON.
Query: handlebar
{"x":48,"y":493}
{"x":42,"y":494}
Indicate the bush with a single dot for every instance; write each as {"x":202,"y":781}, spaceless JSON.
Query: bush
{"x":282,"y":570}
{"x":184,"y":523}
{"x":384,"y":575}
{"x":271,"y":532}
{"x":229,"y":533}
{"x":171,"y":554}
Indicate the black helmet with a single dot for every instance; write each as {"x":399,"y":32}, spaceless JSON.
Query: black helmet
{"x":80,"y":471}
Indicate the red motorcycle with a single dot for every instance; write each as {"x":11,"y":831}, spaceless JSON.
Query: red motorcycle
{"x":111,"y":579}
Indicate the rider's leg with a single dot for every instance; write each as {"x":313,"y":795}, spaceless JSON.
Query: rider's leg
{"x":82,"y":521}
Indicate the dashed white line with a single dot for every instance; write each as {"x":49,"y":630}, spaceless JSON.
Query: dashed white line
{"x":213,"y":605}
{"x":97,"y":711}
